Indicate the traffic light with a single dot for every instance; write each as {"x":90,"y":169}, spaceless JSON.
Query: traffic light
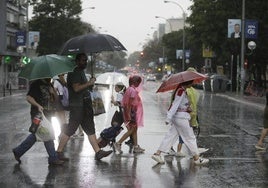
{"x":141,"y":54}
{"x":26,"y":60}
{"x":7,"y":59}
{"x":71,"y":56}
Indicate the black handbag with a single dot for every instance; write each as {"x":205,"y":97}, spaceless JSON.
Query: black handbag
{"x":117,"y":119}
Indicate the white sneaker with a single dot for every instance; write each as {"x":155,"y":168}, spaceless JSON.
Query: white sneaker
{"x":202,"y":150}
{"x":172,"y":152}
{"x":179,"y":154}
{"x":201,"y":161}
{"x":260,"y":147}
{"x":176,"y":154}
{"x":117,"y":147}
{"x":158,"y":158}
{"x":138,"y":149}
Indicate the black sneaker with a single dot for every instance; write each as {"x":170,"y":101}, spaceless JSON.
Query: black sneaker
{"x":129,"y":143}
{"x":56,"y":162}
{"x":62,"y":157}
{"x":100,"y":154}
{"x":16,"y":156}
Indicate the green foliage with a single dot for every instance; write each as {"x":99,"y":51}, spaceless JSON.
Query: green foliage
{"x":57,"y":22}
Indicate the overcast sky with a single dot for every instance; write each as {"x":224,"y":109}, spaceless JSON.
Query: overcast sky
{"x":130,"y":21}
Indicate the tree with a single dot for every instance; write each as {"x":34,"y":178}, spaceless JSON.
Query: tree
{"x":57,"y":21}
{"x":208,"y":25}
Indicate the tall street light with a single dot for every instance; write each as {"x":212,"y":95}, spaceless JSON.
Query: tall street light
{"x":242,"y":71}
{"x":183,"y":32}
{"x":170,"y":26}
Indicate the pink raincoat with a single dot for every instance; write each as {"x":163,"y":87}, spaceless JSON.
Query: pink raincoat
{"x":132,"y":107}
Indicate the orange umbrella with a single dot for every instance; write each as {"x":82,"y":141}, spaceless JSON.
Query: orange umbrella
{"x":176,"y":79}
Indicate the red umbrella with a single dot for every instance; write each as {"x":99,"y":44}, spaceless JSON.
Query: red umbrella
{"x":174,"y":80}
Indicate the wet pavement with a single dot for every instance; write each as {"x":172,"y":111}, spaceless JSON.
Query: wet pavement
{"x":230,"y":127}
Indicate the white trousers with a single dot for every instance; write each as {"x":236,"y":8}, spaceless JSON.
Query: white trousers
{"x":180,"y":127}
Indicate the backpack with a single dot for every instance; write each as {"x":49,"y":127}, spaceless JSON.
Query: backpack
{"x":65,"y":95}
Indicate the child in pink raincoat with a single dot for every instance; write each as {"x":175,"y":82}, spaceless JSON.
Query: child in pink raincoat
{"x":133,"y":114}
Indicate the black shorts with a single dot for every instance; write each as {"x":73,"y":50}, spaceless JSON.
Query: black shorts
{"x":81,"y":116}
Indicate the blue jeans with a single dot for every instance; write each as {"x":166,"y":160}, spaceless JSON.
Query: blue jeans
{"x":29,"y":142}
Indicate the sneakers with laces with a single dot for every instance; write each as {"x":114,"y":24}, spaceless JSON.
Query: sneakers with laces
{"x":176,"y":154}
{"x":100,"y":154}
{"x":258,"y":147}
{"x":158,"y":158}
{"x":201,"y":161}
{"x":117,"y":147}
{"x":138,"y":149}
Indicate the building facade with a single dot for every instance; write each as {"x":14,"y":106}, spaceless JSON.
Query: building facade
{"x":12,"y":42}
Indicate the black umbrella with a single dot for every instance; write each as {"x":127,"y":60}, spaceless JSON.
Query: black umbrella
{"x":91,"y":43}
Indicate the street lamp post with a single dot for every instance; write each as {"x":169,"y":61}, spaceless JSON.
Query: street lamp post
{"x":183,"y":32}
{"x":170,"y":26}
{"x":242,"y":71}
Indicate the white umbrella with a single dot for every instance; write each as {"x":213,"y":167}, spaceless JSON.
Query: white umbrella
{"x":111,"y":78}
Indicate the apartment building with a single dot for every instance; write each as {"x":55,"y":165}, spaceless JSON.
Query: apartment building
{"x":12,"y":41}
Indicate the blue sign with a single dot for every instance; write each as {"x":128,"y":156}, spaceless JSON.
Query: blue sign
{"x":251,"y":29}
{"x":21,"y":38}
{"x":187,"y":54}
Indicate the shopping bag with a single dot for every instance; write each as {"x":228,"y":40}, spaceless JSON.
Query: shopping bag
{"x":45,"y":131}
{"x":97,"y":103}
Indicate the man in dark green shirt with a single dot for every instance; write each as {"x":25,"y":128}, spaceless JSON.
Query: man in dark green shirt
{"x":81,"y":112}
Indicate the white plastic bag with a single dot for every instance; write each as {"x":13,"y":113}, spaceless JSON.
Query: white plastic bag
{"x":45,"y":131}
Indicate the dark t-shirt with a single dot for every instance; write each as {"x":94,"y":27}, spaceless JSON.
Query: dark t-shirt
{"x":76,"y":98}
{"x":39,"y":90}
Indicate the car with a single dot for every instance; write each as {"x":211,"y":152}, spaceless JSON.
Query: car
{"x":151,"y":77}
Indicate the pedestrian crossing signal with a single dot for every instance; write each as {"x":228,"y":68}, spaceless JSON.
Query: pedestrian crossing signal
{"x":7,"y":59}
{"x":26,"y":60}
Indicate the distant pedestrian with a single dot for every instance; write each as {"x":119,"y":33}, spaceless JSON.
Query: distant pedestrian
{"x":80,"y":105}
{"x":42,"y":98}
{"x":133,"y":114}
{"x":264,"y":132}
{"x":178,"y":116}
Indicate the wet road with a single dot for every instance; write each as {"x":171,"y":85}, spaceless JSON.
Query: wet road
{"x":228,"y":128}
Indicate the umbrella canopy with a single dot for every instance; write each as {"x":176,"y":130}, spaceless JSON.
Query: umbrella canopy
{"x":91,"y":43}
{"x":46,"y":66}
{"x":111,"y":78}
{"x":174,"y":80}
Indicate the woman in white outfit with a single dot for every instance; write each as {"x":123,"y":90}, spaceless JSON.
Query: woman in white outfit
{"x":178,"y":116}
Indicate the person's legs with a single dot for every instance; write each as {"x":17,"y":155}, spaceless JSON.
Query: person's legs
{"x":169,"y":139}
{"x":52,"y":155}
{"x":260,"y":145}
{"x":88,"y":126}
{"x":24,"y":147}
{"x":74,"y":121}
{"x":187,"y":135}
{"x":189,"y":139}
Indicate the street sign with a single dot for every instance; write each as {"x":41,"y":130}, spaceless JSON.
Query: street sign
{"x":20,"y":38}
{"x":251,"y":29}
